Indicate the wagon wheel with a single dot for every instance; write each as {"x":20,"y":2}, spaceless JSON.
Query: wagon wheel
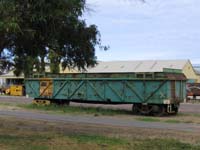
{"x":63,"y":102}
{"x":135,"y":109}
{"x":158,"y":110}
{"x":142,"y":109}
{"x":175,"y":110}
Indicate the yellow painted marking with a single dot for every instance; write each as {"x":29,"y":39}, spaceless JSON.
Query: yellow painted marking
{"x":41,"y":102}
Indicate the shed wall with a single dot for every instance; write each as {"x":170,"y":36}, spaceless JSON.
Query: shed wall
{"x":189,"y":72}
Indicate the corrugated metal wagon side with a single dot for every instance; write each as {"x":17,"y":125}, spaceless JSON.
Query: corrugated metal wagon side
{"x":150,"y":93}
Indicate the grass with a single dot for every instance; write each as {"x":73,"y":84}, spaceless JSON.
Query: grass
{"x":138,"y":144}
{"x":88,"y":142}
{"x":7,"y":104}
{"x":164,"y":144}
{"x":188,"y":114}
{"x":38,"y":135}
{"x":51,"y":141}
{"x":17,"y":142}
{"x":98,"y":139}
{"x":96,"y":111}
{"x":173,"y":121}
{"x":148,"y":119}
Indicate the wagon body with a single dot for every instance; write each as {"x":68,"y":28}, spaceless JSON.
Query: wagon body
{"x":159,"y":88}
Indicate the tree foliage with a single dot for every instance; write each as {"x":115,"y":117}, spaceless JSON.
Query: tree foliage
{"x":34,"y":32}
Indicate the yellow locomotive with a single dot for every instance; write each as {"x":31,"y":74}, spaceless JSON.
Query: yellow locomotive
{"x":14,"y":90}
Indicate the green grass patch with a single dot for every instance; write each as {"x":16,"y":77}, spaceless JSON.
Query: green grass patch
{"x":163,"y":144}
{"x":196,"y":115}
{"x":17,"y":142}
{"x":172,"y":121}
{"x":188,"y":114}
{"x":77,"y":109}
{"x":6,"y":104}
{"x":98,"y":139}
{"x":148,"y":119}
{"x":85,"y":142}
{"x":178,"y":121}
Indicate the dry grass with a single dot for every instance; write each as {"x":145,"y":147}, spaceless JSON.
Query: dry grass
{"x":26,"y":134}
{"x":28,"y":127}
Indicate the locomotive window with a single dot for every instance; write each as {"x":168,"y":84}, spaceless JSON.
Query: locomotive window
{"x":43,"y":84}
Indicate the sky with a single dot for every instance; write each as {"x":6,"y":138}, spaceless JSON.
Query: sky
{"x":156,"y":29}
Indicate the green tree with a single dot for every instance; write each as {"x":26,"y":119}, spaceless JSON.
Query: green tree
{"x":34,"y":31}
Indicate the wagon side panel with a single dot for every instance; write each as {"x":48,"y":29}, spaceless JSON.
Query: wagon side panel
{"x":32,"y":88}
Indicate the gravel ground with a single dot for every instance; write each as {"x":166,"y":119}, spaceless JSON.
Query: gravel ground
{"x":15,"y":99}
{"x":100,"y":120}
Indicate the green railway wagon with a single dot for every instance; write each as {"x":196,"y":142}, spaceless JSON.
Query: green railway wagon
{"x":155,"y":93}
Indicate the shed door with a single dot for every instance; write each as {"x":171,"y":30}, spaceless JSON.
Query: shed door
{"x":46,"y":88}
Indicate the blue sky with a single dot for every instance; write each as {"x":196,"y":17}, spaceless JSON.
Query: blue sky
{"x":157,"y":29}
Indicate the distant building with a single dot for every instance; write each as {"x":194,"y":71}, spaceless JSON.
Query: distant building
{"x":197,"y":69}
{"x":192,"y":74}
{"x":147,"y":66}
{"x":66,"y":70}
{"x":9,"y":79}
